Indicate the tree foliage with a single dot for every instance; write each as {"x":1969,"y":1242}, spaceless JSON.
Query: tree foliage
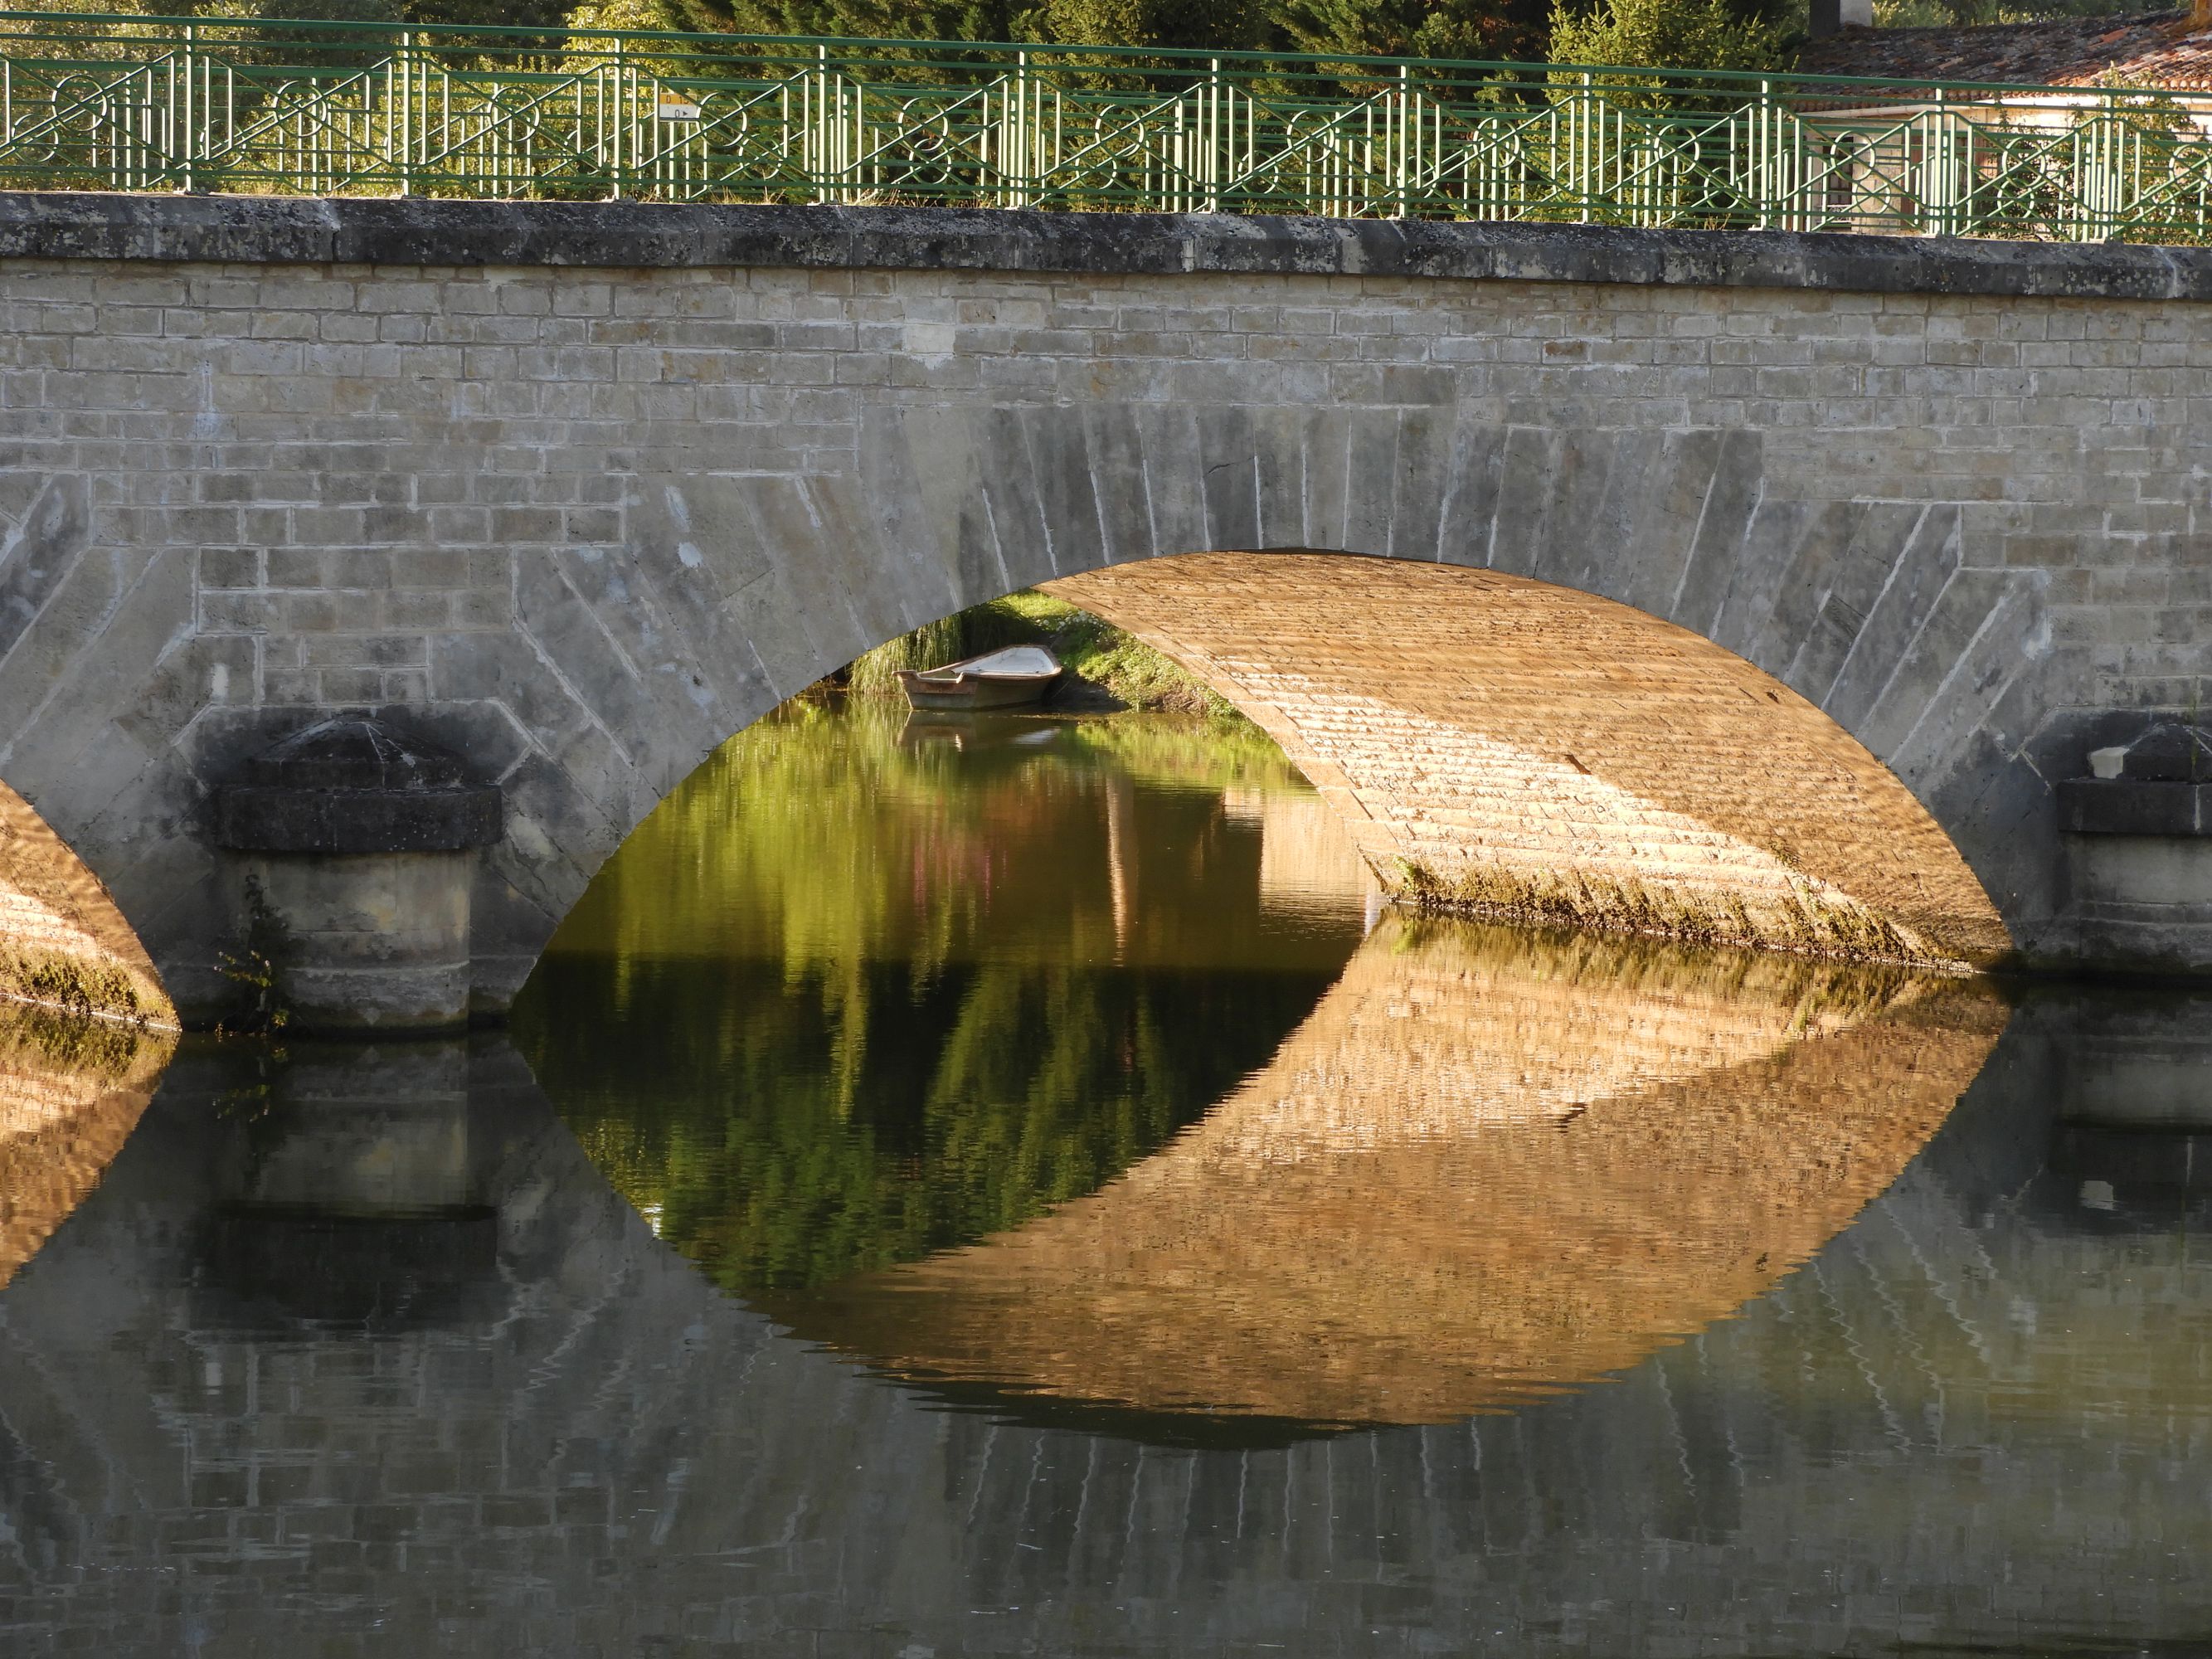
{"x":1688,"y":34}
{"x":1484,"y":30}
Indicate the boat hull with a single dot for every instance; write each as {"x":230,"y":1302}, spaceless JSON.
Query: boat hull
{"x":976,"y":691}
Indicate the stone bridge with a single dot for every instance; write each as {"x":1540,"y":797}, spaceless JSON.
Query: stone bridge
{"x":577,"y":492}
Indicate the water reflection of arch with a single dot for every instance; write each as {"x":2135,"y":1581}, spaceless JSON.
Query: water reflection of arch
{"x":623,"y":1458}
{"x":1489,"y":1165}
{"x":71,"y":1089}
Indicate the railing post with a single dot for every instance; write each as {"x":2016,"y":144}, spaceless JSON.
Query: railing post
{"x":1940,"y":167}
{"x":1402,"y":183}
{"x":1018,"y":107}
{"x":1578,"y":144}
{"x":405,"y":123}
{"x":188,"y":142}
{"x":816,"y":116}
{"x":1211,"y":111}
{"x":618,"y":119}
{"x":1763,"y":151}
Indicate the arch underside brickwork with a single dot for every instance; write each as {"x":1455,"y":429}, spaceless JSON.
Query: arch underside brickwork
{"x":583,"y":525}
{"x":1501,"y":744}
{"x":63,"y":943}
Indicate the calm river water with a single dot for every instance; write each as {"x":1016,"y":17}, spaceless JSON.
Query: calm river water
{"x":1006,"y":1188}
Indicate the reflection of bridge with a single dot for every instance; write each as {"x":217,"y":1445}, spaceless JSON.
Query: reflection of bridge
{"x":573,"y":1442}
{"x":69,"y":1093}
{"x":1487,"y":1166}
{"x":579,"y":491}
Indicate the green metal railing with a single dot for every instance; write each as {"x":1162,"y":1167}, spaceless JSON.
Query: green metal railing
{"x":327,"y":109}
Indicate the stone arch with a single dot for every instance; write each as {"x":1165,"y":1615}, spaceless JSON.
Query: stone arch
{"x":611,"y":666}
{"x":1854,"y":610}
{"x":611,"y":650}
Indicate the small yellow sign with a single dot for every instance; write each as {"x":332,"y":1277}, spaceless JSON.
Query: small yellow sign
{"x":675,"y":106}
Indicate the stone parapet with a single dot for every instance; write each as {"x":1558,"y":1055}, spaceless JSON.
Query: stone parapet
{"x":652,"y":235}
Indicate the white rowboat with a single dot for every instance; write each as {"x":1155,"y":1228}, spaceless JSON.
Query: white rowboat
{"x":998,"y":679}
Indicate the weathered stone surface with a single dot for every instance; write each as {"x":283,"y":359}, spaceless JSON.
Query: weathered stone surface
{"x":352,"y":784}
{"x":586,"y":488}
{"x":250,"y":817}
{"x":2151,"y":893}
{"x":2171,"y":753}
{"x":361,"y":230}
{"x":358,"y":942}
{"x":2133,"y":806}
{"x":2139,"y":849}
{"x":350,"y":872}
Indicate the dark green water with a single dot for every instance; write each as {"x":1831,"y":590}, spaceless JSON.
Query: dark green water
{"x":1003,"y":1190}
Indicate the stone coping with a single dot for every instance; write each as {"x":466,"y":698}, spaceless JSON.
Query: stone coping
{"x":369,"y":231}
{"x":2135,"y":806}
{"x":264,"y":818}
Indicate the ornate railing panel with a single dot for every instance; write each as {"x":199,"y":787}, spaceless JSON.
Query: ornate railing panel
{"x":148,"y":103}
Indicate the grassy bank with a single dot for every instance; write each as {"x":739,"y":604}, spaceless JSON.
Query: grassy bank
{"x":1108,"y":666}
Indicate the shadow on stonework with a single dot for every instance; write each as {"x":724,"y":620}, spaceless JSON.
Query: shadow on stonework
{"x":1490,"y":1166}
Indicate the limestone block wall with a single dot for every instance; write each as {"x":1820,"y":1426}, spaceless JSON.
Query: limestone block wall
{"x":581,"y":491}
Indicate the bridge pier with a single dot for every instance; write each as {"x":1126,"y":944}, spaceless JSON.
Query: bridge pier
{"x":2139,"y":851}
{"x":352,"y":853}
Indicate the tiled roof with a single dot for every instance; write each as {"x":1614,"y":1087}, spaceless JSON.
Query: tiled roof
{"x":2155,"y":47}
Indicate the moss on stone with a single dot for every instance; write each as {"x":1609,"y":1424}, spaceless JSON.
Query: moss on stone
{"x":1813,"y":921}
{"x":77,"y":984}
